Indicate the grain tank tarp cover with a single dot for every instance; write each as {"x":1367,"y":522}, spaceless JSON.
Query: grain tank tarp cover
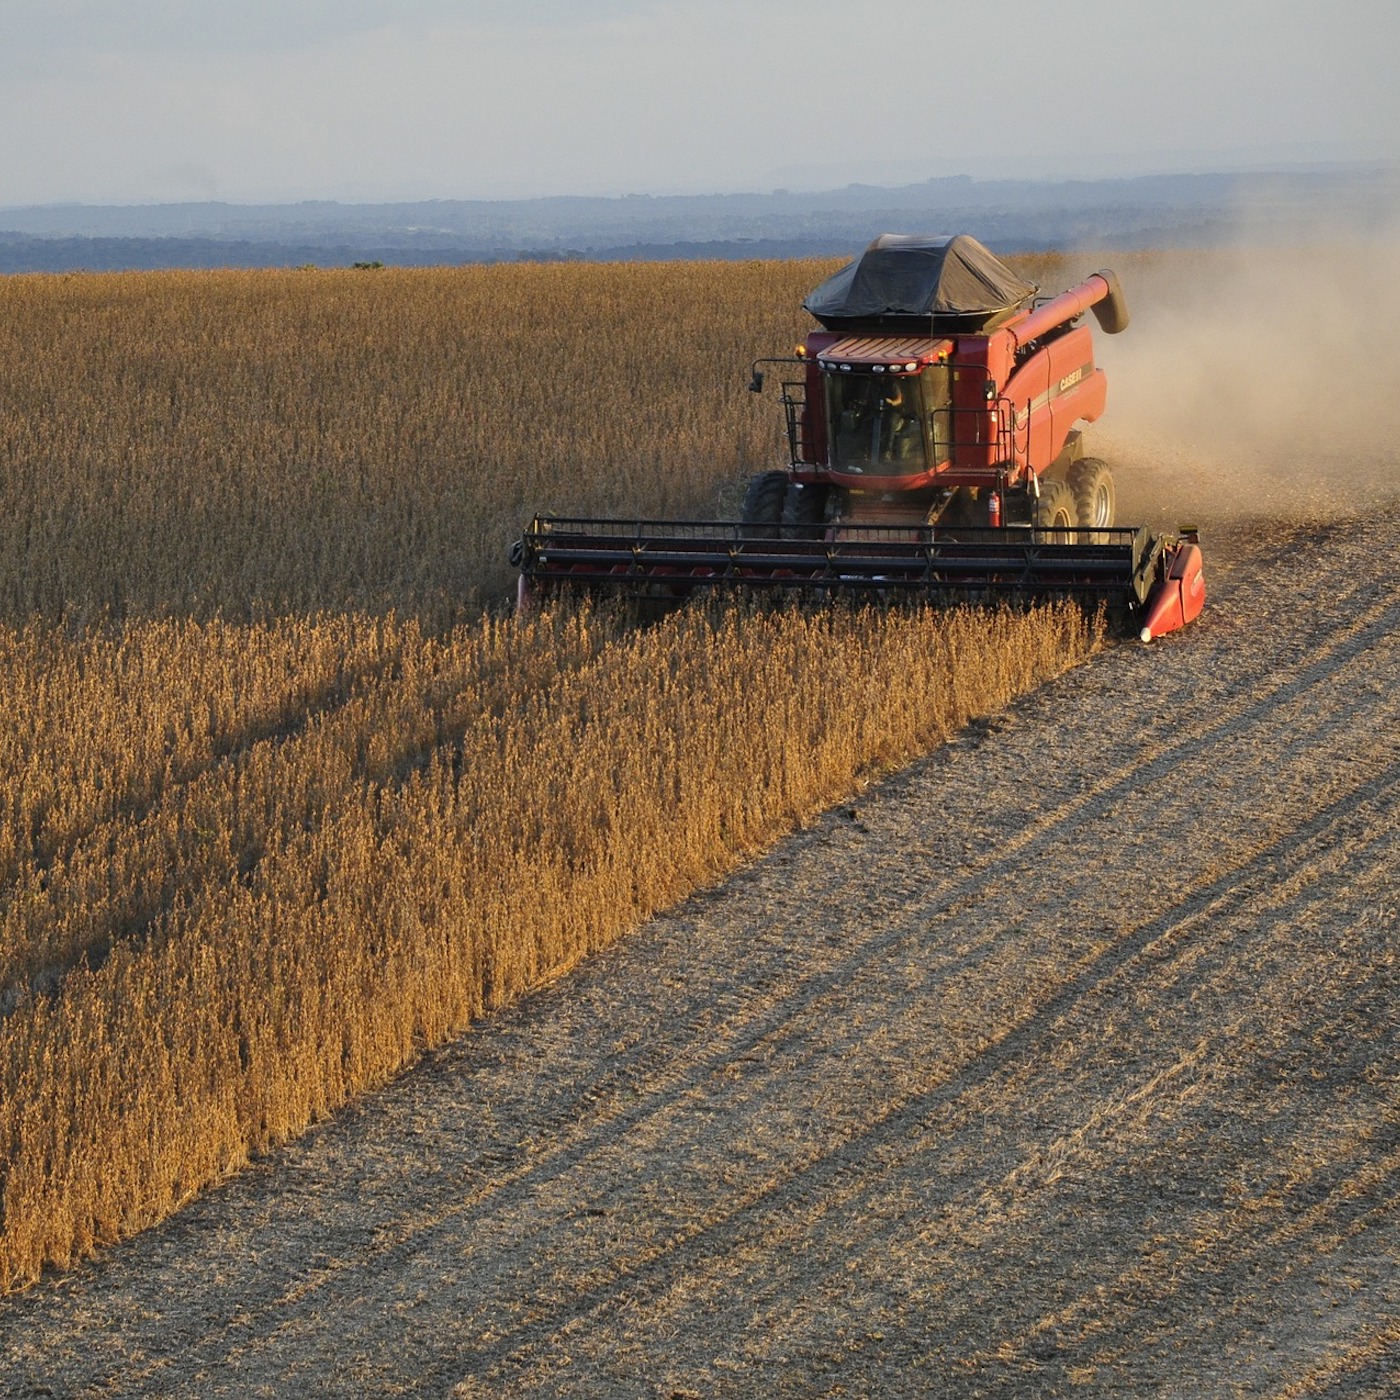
{"x":953,"y":281}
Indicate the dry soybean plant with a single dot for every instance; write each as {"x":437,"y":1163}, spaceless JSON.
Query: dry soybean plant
{"x":251,"y":443}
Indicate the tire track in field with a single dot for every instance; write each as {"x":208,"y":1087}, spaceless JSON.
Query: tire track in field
{"x":1370,"y":1369}
{"x":1297,"y":1194}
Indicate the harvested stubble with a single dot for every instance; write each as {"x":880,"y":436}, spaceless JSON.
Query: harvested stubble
{"x":262,"y":837}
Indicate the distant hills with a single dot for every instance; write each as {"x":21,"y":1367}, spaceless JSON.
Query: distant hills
{"x":1198,"y":210}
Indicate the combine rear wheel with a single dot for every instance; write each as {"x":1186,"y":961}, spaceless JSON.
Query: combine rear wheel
{"x":1056,"y":507}
{"x":763,"y":503}
{"x":1095,"y":501}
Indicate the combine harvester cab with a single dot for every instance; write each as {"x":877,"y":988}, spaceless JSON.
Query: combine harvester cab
{"x":935,"y":451}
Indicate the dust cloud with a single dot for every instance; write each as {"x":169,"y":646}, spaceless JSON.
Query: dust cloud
{"x":1260,"y":382}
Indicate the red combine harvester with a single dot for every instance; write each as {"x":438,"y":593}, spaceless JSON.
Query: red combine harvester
{"x":935,"y":452}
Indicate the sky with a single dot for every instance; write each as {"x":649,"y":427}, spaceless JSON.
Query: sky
{"x":138,"y":101}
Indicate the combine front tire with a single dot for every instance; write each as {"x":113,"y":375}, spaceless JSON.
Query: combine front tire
{"x":763,"y":504}
{"x":806,"y":506}
{"x":1056,"y":507}
{"x":1094,"y":499}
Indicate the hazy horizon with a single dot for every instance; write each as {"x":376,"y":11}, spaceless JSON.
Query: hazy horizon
{"x":805,"y":181}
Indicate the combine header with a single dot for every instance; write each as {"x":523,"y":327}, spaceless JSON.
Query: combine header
{"x":934,"y":452}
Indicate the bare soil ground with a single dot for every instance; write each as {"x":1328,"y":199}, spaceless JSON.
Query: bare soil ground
{"x":1063,"y":1062}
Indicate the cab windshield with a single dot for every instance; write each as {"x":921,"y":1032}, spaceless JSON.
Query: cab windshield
{"x":888,"y":424}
